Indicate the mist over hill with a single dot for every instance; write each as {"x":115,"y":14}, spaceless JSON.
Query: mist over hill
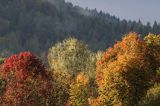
{"x":36,"y":25}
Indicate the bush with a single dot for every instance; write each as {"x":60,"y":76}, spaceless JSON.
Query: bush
{"x":27,"y":82}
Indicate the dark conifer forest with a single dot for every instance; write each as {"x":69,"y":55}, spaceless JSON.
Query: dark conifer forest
{"x":35,"y":25}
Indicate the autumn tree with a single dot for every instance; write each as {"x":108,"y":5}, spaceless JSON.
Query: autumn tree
{"x":153,"y":43}
{"x":67,"y":59}
{"x":124,"y":73}
{"x":26,"y":81}
{"x":79,"y":91}
{"x":61,"y":83}
{"x":71,"y":56}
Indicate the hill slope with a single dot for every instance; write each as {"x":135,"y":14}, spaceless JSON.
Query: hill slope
{"x":37,"y":24}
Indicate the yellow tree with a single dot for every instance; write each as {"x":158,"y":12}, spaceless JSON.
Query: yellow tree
{"x":67,"y":59}
{"x":71,"y":56}
{"x":79,"y":91}
{"x":123,"y":74}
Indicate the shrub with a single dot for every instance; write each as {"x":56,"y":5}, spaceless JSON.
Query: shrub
{"x":27,"y":82}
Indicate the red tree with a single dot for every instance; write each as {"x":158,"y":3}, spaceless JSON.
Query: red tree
{"x":27,"y":82}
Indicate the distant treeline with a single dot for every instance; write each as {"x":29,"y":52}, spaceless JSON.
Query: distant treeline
{"x":35,"y":25}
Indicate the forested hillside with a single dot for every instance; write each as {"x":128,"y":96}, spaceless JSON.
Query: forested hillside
{"x":37,"y":24}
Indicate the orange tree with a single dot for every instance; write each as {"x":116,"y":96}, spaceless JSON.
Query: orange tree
{"x":124,"y":73}
{"x":25,"y":81}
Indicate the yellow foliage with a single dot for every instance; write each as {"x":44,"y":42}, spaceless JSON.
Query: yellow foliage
{"x":124,"y":72}
{"x":79,"y":91}
{"x":82,"y":79}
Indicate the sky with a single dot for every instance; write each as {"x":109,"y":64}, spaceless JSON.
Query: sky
{"x":145,"y":10}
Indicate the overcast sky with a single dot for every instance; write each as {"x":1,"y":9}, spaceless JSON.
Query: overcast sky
{"x":145,"y":10}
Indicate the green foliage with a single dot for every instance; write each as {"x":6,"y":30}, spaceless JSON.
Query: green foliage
{"x":1,"y":60}
{"x":71,"y":56}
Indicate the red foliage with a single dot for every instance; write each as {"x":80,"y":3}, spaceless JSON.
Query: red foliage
{"x":27,"y":82}
{"x":23,"y":63}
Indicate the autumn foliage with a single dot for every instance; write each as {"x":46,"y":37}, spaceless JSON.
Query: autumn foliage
{"x":128,"y":74}
{"x":124,"y":73}
{"x":71,"y":56}
{"x":79,"y":91}
{"x":152,"y":97}
{"x":26,"y":81}
{"x":153,"y":43}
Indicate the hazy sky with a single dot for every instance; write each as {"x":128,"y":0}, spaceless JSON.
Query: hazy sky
{"x":145,"y":10}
